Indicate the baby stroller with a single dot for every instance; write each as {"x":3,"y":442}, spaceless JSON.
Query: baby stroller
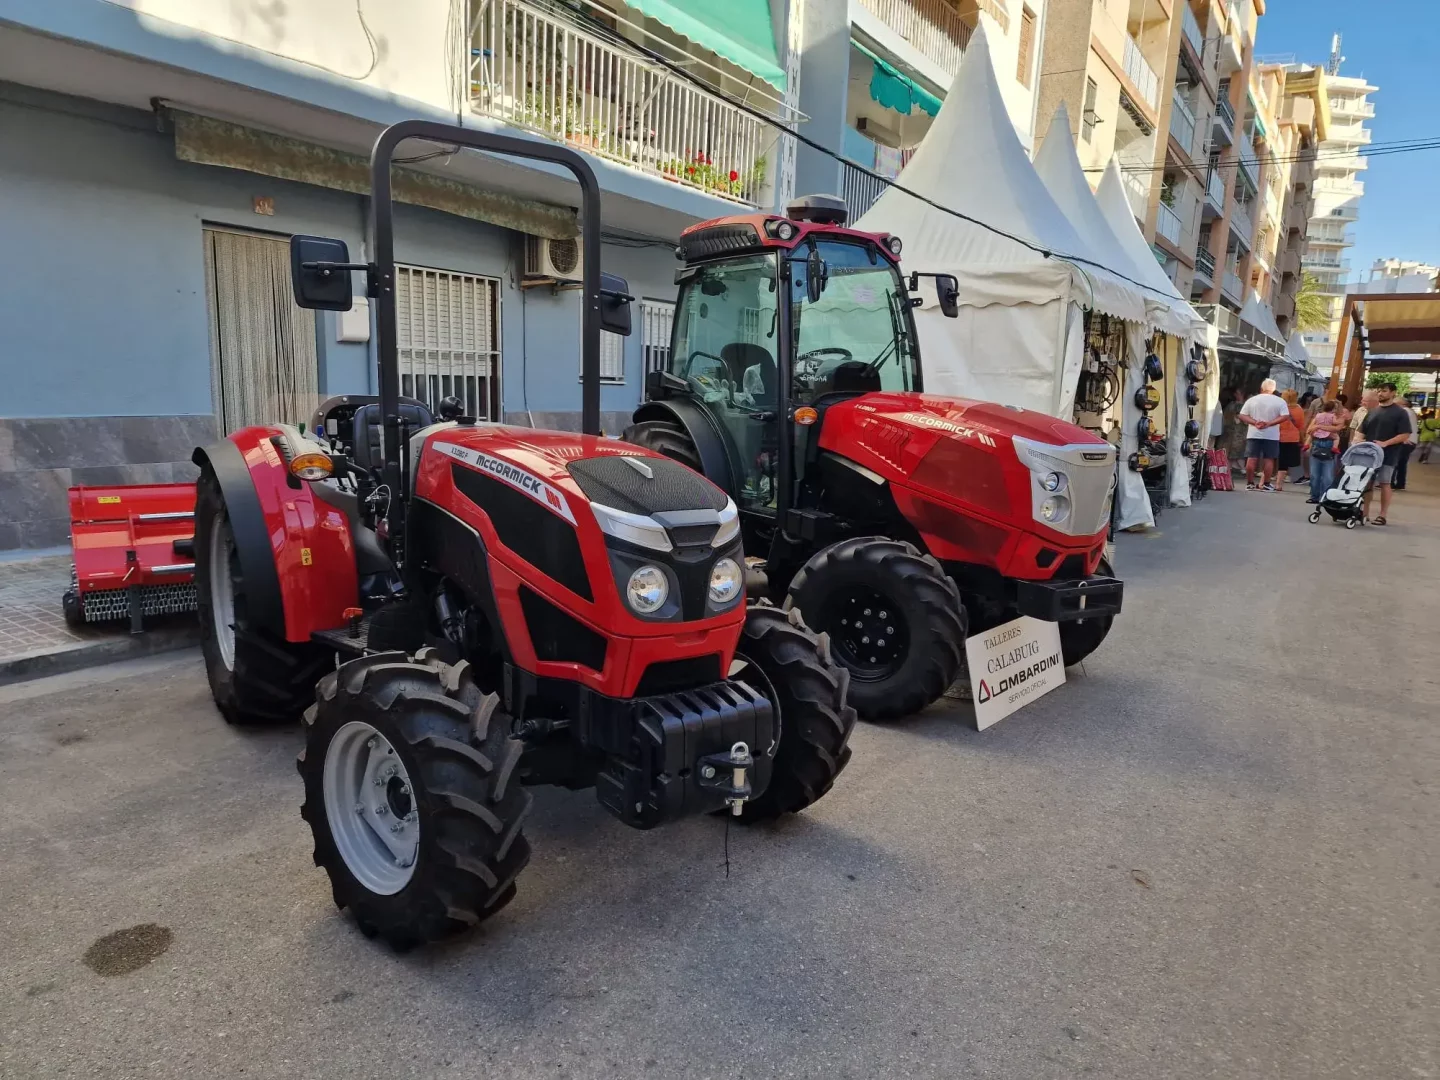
{"x":1345,"y":501}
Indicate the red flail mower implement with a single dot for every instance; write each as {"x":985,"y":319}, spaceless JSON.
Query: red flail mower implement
{"x":134,"y":553}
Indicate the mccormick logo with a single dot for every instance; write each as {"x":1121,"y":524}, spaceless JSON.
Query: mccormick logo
{"x":552,"y":498}
{"x":925,"y":420}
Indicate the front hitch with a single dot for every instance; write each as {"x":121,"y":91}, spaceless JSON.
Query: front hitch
{"x":728,"y":774}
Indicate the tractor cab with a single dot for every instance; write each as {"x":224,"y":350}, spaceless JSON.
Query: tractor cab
{"x":778,"y":317}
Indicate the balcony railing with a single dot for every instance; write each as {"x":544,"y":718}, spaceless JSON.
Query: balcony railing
{"x":1340,"y":186}
{"x":1191,"y":30}
{"x":1205,"y":263}
{"x":932,"y":26}
{"x":1246,"y":153}
{"x":537,"y":70}
{"x":1139,"y":71}
{"x":1182,"y":121}
{"x":859,"y":191}
{"x":1272,"y":204}
{"x":1215,"y":189}
{"x":1137,"y":190}
{"x":1226,"y":112}
{"x":1242,"y":223}
{"x":1232,"y":287}
{"x":1169,"y":225}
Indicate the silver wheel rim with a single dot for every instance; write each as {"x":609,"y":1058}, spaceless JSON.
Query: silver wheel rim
{"x":222,"y":589}
{"x":370,"y":804}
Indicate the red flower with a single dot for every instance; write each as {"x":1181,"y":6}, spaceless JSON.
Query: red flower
{"x":734,"y":176}
{"x":700,"y":158}
{"x":708,"y":161}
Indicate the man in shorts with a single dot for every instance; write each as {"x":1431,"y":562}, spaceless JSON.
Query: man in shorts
{"x":1264,"y":413}
{"x":1387,"y":425}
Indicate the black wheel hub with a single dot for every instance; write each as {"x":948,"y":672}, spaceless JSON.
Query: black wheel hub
{"x":868,"y":634}
{"x":397,"y":794}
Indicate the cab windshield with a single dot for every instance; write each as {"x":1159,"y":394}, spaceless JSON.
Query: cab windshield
{"x":857,"y":337}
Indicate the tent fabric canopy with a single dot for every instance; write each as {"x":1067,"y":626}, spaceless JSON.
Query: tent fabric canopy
{"x":738,"y":30}
{"x":1167,"y":310}
{"x":895,"y":90}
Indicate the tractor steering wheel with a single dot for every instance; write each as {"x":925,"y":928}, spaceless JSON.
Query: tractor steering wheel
{"x":818,"y":358}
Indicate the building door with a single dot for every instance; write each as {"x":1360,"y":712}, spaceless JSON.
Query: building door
{"x":447,"y":332}
{"x":263,"y":364}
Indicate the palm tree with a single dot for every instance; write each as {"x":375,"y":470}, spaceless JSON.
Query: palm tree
{"x":1312,"y":307}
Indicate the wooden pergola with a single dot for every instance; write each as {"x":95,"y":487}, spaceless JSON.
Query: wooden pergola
{"x":1384,"y":332}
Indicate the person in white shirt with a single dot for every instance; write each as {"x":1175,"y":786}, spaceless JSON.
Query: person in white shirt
{"x":1264,"y":413}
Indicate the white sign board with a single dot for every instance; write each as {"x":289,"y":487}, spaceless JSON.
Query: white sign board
{"x":1012,"y":665}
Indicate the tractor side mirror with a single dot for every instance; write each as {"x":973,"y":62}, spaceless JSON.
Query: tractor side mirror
{"x":320,"y":273}
{"x":615,"y":302}
{"x":947,"y":291}
{"x":816,"y":273}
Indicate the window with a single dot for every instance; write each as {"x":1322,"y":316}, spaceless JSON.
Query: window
{"x":1087,"y":115}
{"x":612,"y":358}
{"x":656,"y":319}
{"x":1027,"y":46}
{"x":447,"y":333}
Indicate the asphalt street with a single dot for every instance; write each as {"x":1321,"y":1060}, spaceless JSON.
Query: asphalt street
{"x":1213,"y":853}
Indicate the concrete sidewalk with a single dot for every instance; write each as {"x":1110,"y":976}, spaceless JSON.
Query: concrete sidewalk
{"x":35,"y":639}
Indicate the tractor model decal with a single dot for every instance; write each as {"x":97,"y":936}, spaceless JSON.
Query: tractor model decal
{"x":548,"y":496}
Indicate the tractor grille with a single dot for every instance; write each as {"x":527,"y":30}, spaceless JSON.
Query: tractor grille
{"x":108,"y":605}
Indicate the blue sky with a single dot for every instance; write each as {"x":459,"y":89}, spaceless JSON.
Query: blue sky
{"x":1394,"y":44}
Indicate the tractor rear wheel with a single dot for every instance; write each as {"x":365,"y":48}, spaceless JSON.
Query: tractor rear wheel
{"x":1080,"y":637}
{"x":665,"y":438}
{"x":893,"y":617}
{"x":792,"y":667}
{"x":254,"y":676}
{"x":412,"y":796}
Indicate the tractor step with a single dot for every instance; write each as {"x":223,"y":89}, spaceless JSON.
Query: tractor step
{"x":353,"y":639}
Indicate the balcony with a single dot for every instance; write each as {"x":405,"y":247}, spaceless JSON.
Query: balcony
{"x":1169,"y":225}
{"x":1139,"y":72}
{"x":1242,"y":223}
{"x":1191,"y":29}
{"x":1137,"y":191}
{"x":1223,"y":123}
{"x":1272,"y":205}
{"x":931,"y":26}
{"x":535,"y":69}
{"x":1246,"y":153}
{"x":1351,"y":106}
{"x":1182,"y":122}
{"x":1204,"y":264}
{"x":1214,"y":195}
{"x":1231,"y":287}
{"x":1229,"y":59}
{"x":859,"y":190}
{"x":1340,"y":186}
{"x":1288,"y":262}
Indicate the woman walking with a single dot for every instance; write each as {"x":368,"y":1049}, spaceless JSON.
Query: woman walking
{"x":1290,"y":429}
{"x":1324,"y":435}
{"x":1429,"y":433}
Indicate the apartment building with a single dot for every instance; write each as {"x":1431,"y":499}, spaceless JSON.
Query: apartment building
{"x":1304,"y":123}
{"x":1108,"y":61}
{"x":874,"y":73}
{"x":1339,"y":187}
{"x":1400,"y":276}
{"x":174,"y":145}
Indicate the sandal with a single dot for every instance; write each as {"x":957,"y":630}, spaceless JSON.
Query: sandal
{"x":1378,"y":521}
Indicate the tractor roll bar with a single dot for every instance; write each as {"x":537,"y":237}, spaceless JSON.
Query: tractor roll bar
{"x":382,"y":253}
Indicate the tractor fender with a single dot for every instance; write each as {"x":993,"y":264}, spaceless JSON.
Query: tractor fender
{"x":698,"y":423}
{"x":297,"y":554}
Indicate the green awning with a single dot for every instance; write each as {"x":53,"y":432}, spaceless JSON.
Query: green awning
{"x":891,"y":87}
{"x":738,"y":30}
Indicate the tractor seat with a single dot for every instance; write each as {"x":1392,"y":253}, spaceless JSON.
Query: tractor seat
{"x":740,"y":357}
{"x":366,"y":449}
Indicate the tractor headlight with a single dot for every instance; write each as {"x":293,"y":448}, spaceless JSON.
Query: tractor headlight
{"x":1055,"y":509}
{"x":647,"y":590}
{"x":727,"y":581}
{"x":1052,"y":481}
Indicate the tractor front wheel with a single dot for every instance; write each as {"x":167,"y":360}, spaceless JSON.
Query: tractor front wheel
{"x":412,"y":796}
{"x":1080,"y":637}
{"x":665,"y":438}
{"x":792,"y":667}
{"x":254,"y":676}
{"x":893,"y":618}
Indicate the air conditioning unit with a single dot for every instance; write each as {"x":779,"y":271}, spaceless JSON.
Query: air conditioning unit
{"x":558,"y":259}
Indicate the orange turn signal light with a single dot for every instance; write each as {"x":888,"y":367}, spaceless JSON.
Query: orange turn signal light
{"x":805,"y":416}
{"x":311,"y":466}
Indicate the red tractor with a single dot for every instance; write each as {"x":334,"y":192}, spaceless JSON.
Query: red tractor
{"x":463,"y":609}
{"x":897,"y":521}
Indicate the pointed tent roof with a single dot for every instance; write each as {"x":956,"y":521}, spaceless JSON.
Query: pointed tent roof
{"x":1259,"y":315}
{"x":1296,"y":352}
{"x":971,"y":161}
{"x":1169,"y":311}
{"x":1059,"y":167}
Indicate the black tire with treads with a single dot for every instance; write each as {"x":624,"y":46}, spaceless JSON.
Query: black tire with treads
{"x":807,"y":689}
{"x":1081,"y":637}
{"x":271,"y":681}
{"x":461,"y":763}
{"x":922,"y":593}
{"x":665,"y":438}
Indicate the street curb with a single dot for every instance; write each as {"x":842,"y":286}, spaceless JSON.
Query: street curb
{"x":84,"y":654}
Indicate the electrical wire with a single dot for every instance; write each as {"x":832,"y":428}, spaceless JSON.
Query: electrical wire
{"x":1404,"y":146}
{"x":369,"y":39}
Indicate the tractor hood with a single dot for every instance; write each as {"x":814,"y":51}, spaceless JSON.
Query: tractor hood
{"x":971,"y":475}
